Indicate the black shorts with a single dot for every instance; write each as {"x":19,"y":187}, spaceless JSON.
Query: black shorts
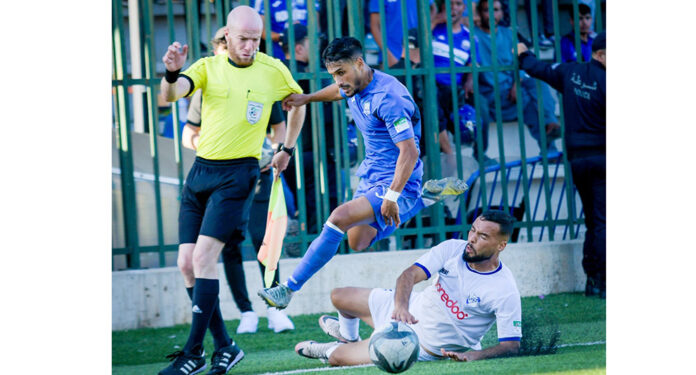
{"x":216,"y":198}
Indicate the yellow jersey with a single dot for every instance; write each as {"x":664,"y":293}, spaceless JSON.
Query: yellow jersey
{"x":237,"y":103}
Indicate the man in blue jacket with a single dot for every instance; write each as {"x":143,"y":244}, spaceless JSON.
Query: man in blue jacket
{"x":583,"y":86}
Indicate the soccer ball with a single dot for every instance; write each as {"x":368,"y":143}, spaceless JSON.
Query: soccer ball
{"x":266,"y":153}
{"x":394,"y":347}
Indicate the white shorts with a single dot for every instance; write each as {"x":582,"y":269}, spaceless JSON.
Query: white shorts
{"x":381,"y":304}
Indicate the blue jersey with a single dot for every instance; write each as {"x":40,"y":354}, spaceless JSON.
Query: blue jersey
{"x":392,"y":17}
{"x":386,"y":114}
{"x":462,"y":51}
{"x":280,"y":18}
{"x":568,"y":52}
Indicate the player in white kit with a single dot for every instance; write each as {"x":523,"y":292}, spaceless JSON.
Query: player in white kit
{"x":471,"y":289}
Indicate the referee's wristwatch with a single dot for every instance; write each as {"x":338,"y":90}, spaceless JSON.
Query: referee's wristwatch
{"x":289,"y":150}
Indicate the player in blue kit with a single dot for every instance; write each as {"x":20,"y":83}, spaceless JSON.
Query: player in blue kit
{"x":389,"y":191}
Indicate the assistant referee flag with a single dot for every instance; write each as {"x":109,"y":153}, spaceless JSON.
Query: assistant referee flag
{"x":276,"y":225}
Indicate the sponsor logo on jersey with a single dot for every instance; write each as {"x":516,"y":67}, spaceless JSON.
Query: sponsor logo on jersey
{"x":401,"y":124}
{"x":443,"y":271}
{"x":451,"y":304}
{"x":472,"y":300}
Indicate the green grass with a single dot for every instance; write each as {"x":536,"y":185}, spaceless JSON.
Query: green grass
{"x":577,"y":318}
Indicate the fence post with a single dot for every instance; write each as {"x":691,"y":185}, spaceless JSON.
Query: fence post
{"x":125,"y":153}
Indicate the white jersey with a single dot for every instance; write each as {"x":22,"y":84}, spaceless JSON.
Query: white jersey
{"x":456,"y":311}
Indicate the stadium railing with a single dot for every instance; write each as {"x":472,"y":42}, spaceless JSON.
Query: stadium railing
{"x":142,"y":30}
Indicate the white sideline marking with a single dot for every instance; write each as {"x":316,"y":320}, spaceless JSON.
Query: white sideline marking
{"x":582,"y":344}
{"x":319,"y":369}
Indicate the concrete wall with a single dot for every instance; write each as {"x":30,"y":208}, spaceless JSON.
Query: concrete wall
{"x":156,"y":297}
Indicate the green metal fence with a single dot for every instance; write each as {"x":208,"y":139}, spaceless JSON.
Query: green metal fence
{"x":142,"y":30}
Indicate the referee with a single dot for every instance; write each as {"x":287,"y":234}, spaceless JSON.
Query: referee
{"x":238,"y":90}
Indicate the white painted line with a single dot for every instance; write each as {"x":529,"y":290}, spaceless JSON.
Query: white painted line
{"x":320,"y":369}
{"x":582,"y":344}
{"x":148,"y":177}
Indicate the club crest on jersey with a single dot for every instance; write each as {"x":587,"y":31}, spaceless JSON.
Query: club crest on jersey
{"x":472,"y":300}
{"x":366,"y":108}
{"x":254,"y":111}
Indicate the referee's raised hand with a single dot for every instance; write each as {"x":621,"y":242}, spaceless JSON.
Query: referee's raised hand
{"x":175,"y":57}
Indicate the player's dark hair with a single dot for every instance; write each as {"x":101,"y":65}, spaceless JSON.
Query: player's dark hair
{"x":584,"y":9}
{"x":340,"y":49}
{"x":479,"y":7}
{"x":502,"y":218}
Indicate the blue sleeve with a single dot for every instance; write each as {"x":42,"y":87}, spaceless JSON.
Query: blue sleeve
{"x":567,"y":50}
{"x":396,"y":112}
{"x":373,"y":6}
{"x":258,"y":5}
{"x":343,"y":94}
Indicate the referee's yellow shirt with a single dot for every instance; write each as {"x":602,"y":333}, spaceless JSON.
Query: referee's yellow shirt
{"x":237,"y":103}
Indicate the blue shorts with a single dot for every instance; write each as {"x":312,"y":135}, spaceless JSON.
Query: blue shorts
{"x":216,"y":199}
{"x":409,"y":204}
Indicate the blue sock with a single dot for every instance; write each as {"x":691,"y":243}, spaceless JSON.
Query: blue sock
{"x":216,"y":326}
{"x":205,"y":299}
{"x":320,"y":252}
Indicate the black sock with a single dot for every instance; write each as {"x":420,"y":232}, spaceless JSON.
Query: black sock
{"x":216,"y":326}
{"x":205,"y":299}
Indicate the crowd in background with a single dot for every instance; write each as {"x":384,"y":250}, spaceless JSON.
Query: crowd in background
{"x":402,"y":49}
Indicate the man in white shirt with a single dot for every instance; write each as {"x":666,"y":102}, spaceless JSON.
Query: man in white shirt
{"x":471,"y":290}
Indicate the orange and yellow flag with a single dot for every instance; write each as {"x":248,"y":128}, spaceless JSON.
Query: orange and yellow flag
{"x":276,"y":225}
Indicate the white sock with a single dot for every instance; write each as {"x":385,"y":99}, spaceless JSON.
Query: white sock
{"x":334,"y":227}
{"x":331,"y":350}
{"x":349,"y":328}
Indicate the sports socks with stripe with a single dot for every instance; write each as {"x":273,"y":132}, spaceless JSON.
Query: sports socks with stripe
{"x":320,"y":252}
{"x":216,"y":326}
{"x":205,"y":303}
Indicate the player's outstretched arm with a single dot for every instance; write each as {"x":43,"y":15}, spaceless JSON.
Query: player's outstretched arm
{"x":172,"y":86}
{"x":327,"y":94}
{"x":404,"y":286}
{"x":504,"y":348}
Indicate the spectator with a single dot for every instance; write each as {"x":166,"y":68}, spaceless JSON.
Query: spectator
{"x":461,"y":46}
{"x":583,"y":86}
{"x":568,"y":52}
{"x":506,"y":81}
{"x":397,"y":48}
{"x":545,"y":18}
{"x":279,"y":20}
